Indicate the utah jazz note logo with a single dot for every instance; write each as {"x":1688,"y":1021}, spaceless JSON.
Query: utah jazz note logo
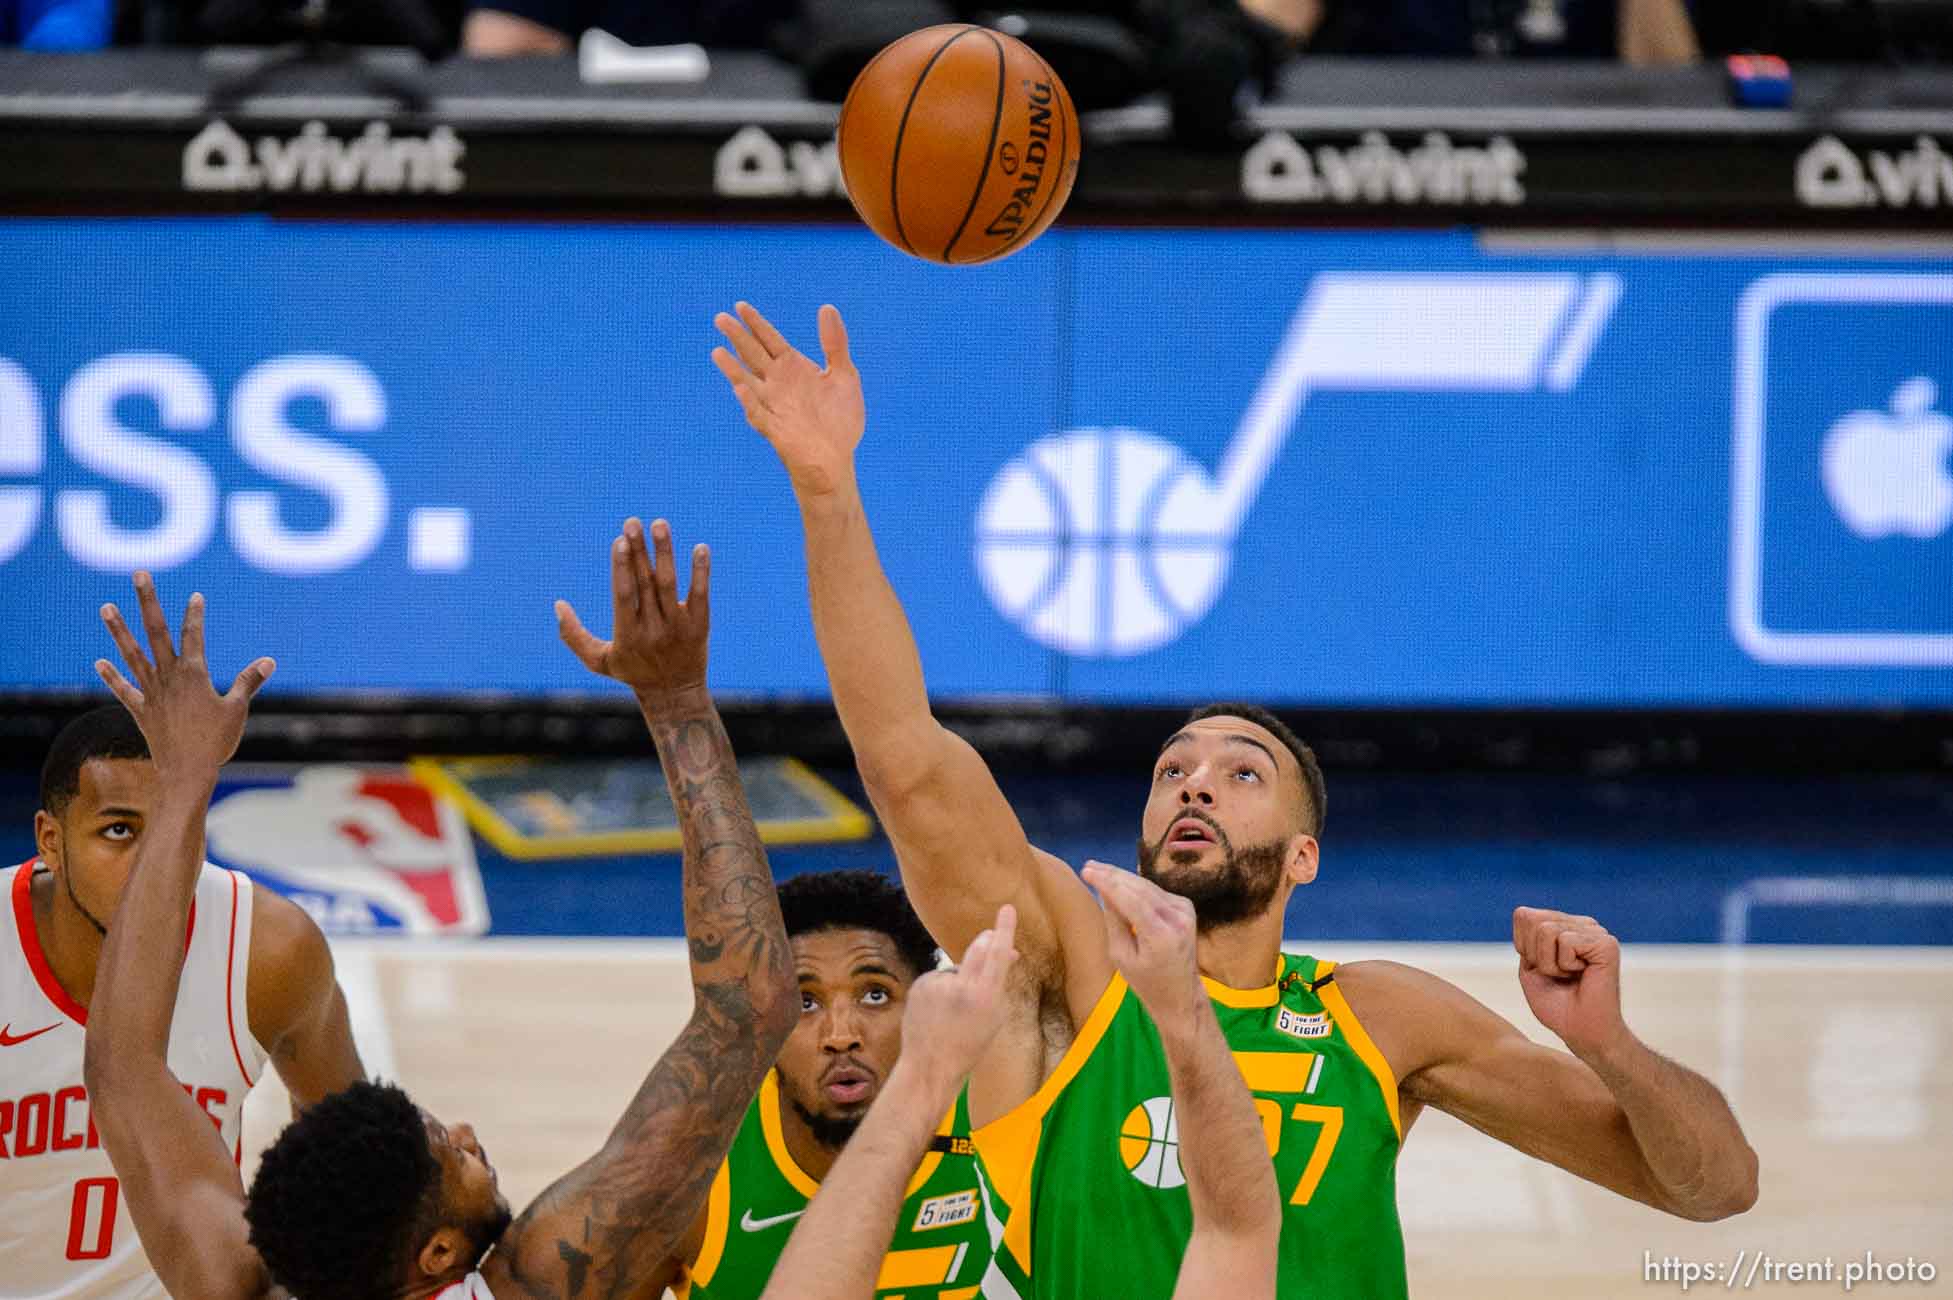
{"x":1112,"y":542}
{"x":1149,"y":1143}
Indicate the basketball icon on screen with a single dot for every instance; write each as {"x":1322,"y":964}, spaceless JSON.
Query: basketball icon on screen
{"x":1102,"y":542}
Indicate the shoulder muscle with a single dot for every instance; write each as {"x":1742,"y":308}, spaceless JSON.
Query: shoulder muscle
{"x":290,"y":966}
{"x":1417,"y":1020}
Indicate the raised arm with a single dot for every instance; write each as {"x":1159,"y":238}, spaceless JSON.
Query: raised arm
{"x":1237,"y":1211}
{"x":1610,"y":1109}
{"x":177,"y":1178}
{"x":611,"y":1224}
{"x":962,"y":850}
{"x":836,"y":1250}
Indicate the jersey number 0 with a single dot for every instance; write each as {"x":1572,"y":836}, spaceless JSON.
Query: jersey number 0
{"x":81,"y":1245}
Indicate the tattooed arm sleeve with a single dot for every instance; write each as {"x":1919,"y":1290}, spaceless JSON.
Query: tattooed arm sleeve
{"x":605,"y":1227}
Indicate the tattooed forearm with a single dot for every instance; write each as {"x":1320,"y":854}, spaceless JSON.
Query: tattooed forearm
{"x":605,"y":1228}
{"x":732,"y":914}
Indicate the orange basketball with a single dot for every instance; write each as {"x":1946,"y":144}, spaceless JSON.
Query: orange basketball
{"x":958,"y":144}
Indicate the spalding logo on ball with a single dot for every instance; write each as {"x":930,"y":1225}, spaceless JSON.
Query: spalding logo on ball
{"x":958,"y":144}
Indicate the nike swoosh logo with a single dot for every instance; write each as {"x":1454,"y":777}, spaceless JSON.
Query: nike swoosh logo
{"x":747,"y":1223}
{"x":9,"y":1039}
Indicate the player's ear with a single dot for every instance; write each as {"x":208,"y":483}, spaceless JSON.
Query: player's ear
{"x":47,"y":838}
{"x":443,"y":1251}
{"x":1303,"y":854}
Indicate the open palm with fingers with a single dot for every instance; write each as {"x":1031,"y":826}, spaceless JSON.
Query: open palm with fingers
{"x":188,"y":725}
{"x":657,"y":643}
{"x":812,"y":415}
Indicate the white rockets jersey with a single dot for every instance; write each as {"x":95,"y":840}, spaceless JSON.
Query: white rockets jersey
{"x":63,"y":1228}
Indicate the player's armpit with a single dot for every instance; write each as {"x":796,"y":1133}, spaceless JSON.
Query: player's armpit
{"x":297,"y":1010}
{"x":1450,"y":1051}
{"x":1062,"y":971}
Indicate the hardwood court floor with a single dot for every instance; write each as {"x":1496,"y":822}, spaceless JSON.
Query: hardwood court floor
{"x":1839,"y":1062}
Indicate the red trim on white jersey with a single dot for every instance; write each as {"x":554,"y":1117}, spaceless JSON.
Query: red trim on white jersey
{"x":230,"y":987}
{"x":471,"y":1287}
{"x":30,"y":945}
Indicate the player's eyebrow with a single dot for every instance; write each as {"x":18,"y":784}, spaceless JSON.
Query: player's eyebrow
{"x":873,"y":968}
{"x":1250,"y":740}
{"x":1228,"y":736}
{"x":123,"y":814}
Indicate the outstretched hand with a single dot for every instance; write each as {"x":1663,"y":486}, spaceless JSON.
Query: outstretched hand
{"x":953,"y":1015}
{"x":191,"y":729}
{"x":812,"y":415}
{"x":1150,"y":935}
{"x":658,"y":642}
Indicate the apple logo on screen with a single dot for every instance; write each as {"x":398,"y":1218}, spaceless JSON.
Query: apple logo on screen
{"x":1887,"y":473}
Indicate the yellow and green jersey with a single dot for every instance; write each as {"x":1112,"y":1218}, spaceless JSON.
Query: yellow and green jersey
{"x":942,"y":1240}
{"x":1087,"y":1176}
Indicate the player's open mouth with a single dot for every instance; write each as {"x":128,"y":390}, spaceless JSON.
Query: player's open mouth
{"x":848,"y":1086}
{"x":1189,"y":830}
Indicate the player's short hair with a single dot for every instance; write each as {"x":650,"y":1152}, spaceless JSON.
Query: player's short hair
{"x":857,"y":900}
{"x":347,"y":1195}
{"x":105,"y":732}
{"x":1316,"y":794}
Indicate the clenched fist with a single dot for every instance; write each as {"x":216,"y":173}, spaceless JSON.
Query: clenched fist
{"x":1570,"y":969}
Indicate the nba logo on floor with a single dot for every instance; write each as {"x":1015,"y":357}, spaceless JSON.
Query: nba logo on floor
{"x":363,"y":850}
{"x":1842,"y":491}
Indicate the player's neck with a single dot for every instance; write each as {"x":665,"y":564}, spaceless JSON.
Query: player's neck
{"x":1242,"y":956}
{"x":69,"y":941}
{"x":813,"y":1158}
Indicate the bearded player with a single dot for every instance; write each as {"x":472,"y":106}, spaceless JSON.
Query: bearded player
{"x":1341,"y":1060}
{"x":858,"y":950}
{"x":365,"y":1194}
{"x":257,"y":986}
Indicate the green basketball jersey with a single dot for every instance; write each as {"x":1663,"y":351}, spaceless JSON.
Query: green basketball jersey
{"x":942,"y":1241}
{"x":1087,"y":1172}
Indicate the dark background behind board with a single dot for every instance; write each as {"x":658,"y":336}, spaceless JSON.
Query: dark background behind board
{"x":1405,"y":857}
